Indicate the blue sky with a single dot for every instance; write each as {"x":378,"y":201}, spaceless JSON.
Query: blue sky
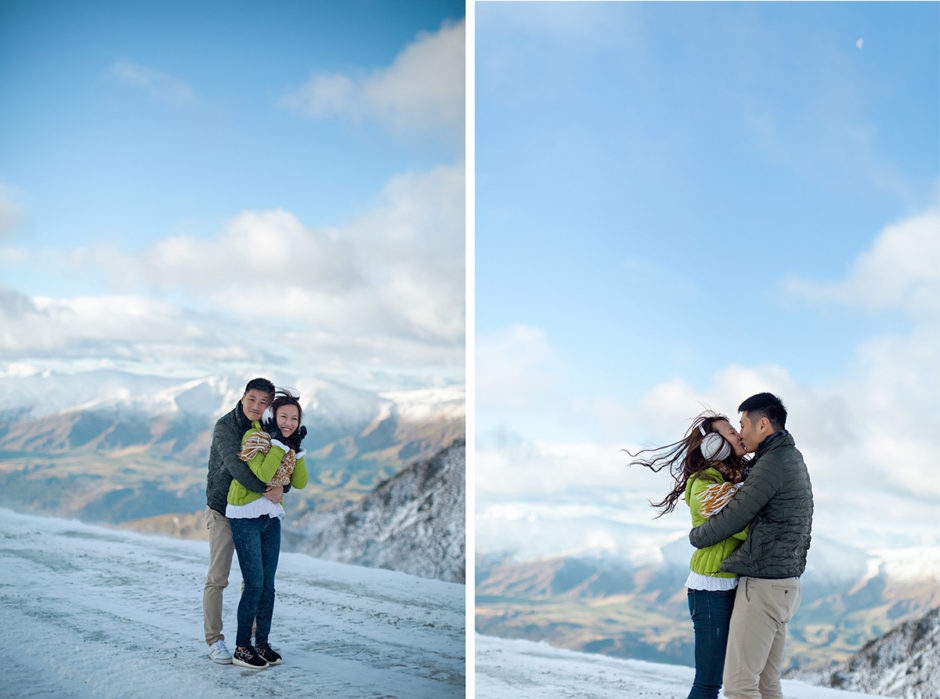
{"x":681,"y":204}
{"x":134,"y":130}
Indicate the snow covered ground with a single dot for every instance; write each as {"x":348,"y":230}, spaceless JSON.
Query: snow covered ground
{"x":529,"y":670}
{"x":94,"y":612}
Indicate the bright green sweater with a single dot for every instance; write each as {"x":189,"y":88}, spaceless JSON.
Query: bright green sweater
{"x":264,"y":466}
{"x":707,"y":561}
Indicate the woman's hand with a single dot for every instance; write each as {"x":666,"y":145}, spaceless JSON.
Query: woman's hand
{"x":274,"y":493}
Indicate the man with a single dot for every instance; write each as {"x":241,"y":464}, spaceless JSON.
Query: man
{"x":224,"y":465}
{"x":777,"y":501}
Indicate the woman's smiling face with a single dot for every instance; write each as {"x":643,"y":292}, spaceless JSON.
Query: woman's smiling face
{"x":288,"y":419}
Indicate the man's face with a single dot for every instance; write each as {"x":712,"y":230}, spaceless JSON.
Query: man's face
{"x":254,"y":402}
{"x":750,"y":433}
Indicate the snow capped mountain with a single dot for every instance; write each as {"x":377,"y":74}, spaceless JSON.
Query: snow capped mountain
{"x":112,"y":446}
{"x":426,"y":403}
{"x":65,"y":411}
{"x":335,"y":404}
{"x":31,"y":394}
{"x":913,"y":563}
{"x":413,"y":523}
{"x":532,"y":538}
{"x":40,"y":394}
{"x":905,"y":662}
{"x":599,"y":597}
{"x":529,"y":533}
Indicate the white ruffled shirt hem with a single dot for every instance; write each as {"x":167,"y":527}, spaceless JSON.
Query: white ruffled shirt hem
{"x":255,"y":508}
{"x":697,"y":581}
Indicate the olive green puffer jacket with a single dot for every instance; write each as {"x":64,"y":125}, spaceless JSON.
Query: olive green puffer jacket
{"x":777,"y":499}
{"x":224,"y":463}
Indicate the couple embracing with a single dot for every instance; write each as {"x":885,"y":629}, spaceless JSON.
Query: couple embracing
{"x":254,"y":459}
{"x":751,"y":528}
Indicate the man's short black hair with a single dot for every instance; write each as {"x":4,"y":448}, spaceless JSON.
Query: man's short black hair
{"x":260,"y":384}
{"x":765,"y":405}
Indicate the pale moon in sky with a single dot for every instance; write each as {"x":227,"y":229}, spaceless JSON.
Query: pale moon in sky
{"x":859,"y":43}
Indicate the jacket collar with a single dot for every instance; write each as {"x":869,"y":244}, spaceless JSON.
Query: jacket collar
{"x":769,"y":441}
{"x":243,"y":422}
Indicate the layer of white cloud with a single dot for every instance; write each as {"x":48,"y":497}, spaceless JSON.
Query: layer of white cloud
{"x":871,"y":488}
{"x":159,"y":85}
{"x":422,"y":90}
{"x":385,"y":293}
{"x":899,"y":272}
{"x":114,"y":328}
{"x":867,"y":435}
{"x":255,"y":253}
{"x":511,"y":368}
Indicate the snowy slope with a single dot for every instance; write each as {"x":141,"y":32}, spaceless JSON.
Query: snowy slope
{"x":93,"y":612}
{"x":413,"y":523}
{"x":905,"y":662}
{"x":529,"y":670}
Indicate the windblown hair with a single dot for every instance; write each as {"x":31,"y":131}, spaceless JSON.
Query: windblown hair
{"x":281,"y":398}
{"x":684,"y":459}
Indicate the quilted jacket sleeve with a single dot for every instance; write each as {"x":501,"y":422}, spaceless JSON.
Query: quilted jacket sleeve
{"x":756,"y":492}
{"x":229,"y":441}
{"x":298,"y":478}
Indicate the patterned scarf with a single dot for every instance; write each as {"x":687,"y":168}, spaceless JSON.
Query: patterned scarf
{"x":713,"y":498}
{"x":260,"y":443}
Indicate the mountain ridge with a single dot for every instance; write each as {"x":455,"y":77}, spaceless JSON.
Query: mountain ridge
{"x":111,"y":447}
{"x":615,"y":606}
{"x":413,"y":522}
{"x":905,"y":662}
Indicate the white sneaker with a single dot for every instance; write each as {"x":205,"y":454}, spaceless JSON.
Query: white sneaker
{"x":218,"y":653}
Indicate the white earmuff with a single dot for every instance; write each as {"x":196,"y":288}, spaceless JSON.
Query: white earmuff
{"x":714,"y":447}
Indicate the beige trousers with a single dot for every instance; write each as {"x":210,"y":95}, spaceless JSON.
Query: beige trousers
{"x":221,"y":549}
{"x":758,"y":631}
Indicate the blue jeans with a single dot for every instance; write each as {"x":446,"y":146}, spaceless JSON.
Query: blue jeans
{"x":711,"y":615}
{"x":258,"y":544}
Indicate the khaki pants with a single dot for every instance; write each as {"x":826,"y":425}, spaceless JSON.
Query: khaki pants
{"x":220,"y":565}
{"x":762,"y":609}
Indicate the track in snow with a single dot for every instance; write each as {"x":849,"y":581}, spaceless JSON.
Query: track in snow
{"x":93,"y":612}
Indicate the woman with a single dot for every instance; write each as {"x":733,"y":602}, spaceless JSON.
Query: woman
{"x":274,"y":455}
{"x":707,"y":466}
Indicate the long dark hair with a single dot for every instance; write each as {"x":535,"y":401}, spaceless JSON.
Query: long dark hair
{"x":684,"y":459}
